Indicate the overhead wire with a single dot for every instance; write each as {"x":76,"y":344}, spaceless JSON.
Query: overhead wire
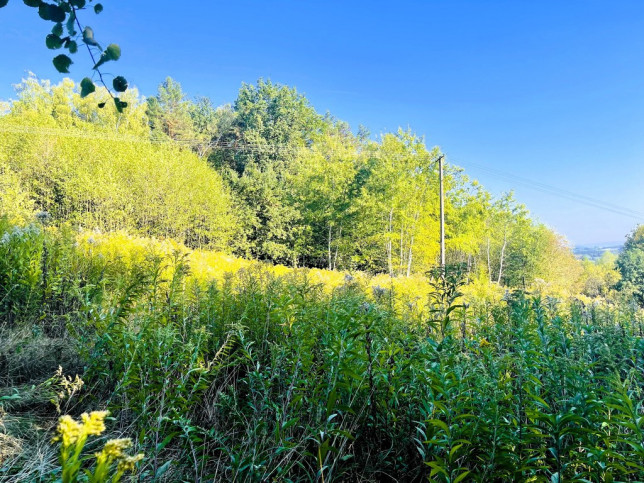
{"x":559,"y":192}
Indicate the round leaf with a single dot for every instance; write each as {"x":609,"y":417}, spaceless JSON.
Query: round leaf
{"x":32,"y":3}
{"x":72,"y":46}
{"x":53,"y":42}
{"x":98,"y":8}
{"x":113,"y":51}
{"x":62,"y":63}
{"x":120,"y":84}
{"x":87,"y":87}
{"x":51,"y":12}
{"x":3,"y":3}
{"x":58,"y":29}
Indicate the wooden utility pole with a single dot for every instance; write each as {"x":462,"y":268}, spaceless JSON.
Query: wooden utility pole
{"x":442,"y":209}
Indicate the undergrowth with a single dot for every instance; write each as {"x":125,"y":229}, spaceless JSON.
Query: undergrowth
{"x":260,"y":376}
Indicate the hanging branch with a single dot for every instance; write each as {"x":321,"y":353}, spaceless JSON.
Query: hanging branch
{"x":65,"y":12}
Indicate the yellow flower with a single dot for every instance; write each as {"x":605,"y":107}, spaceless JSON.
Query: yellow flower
{"x":114,"y":448}
{"x":127,"y":463}
{"x":68,"y":431}
{"x":94,"y":422}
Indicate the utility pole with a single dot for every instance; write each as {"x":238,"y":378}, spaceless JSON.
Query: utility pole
{"x":442,"y":210}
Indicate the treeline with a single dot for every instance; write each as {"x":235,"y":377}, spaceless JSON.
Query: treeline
{"x":267,"y":177}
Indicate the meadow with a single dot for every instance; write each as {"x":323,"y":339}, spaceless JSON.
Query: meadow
{"x":219,"y":369}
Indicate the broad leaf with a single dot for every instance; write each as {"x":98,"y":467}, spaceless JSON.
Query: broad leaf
{"x":112,"y":52}
{"x":53,"y":42}
{"x":120,"y":84}
{"x":87,"y":87}
{"x":51,"y":12}
{"x":72,"y":46}
{"x":88,"y":37}
{"x":62,"y":63}
{"x":58,"y":29}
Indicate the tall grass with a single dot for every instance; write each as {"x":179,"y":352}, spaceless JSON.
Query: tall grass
{"x":264,"y":376}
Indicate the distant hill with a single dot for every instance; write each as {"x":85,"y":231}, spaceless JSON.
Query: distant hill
{"x":594,"y":251}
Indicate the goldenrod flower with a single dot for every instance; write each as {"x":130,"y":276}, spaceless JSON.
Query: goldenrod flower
{"x":127,"y":463}
{"x":94,"y":422}
{"x":68,"y":431}
{"x":114,"y":448}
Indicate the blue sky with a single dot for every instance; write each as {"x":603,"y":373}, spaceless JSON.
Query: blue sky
{"x":552,"y":91}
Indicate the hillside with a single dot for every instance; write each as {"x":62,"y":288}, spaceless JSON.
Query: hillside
{"x":259,"y":300}
{"x":286,"y":185}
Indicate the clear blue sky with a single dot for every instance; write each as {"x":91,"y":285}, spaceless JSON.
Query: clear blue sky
{"x":552,"y":91}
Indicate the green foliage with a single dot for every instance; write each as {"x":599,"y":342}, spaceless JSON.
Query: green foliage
{"x":112,"y":52}
{"x":120,"y":84}
{"x":630,"y":264}
{"x":66,"y":11}
{"x":103,"y":182}
{"x":258,"y":377}
{"x":87,"y":87}
{"x":301,"y":189}
{"x":62,"y":63}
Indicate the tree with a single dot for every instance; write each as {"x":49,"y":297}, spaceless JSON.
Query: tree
{"x":630,"y":264}
{"x":323,"y":191}
{"x":600,"y":276}
{"x":169,"y":112}
{"x":271,"y":125}
{"x":86,"y":175}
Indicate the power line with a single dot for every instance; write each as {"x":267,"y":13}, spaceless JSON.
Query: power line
{"x":559,"y":192}
{"x":241,"y":147}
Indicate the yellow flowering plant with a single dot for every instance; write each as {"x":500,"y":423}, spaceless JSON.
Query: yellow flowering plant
{"x":73,"y":435}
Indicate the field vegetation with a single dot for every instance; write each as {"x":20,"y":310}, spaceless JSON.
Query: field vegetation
{"x":251,"y":293}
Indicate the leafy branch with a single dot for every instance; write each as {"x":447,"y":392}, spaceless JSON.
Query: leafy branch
{"x":66,"y":12}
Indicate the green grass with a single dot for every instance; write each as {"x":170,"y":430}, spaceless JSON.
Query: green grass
{"x":267,"y":377}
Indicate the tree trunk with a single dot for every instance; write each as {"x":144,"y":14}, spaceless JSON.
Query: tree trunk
{"x":337,"y":245}
{"x":505,"y":241}
{"x":411,"y":244}
{"x":489,"y":265}
{"x":401,"y":262}
{"x":389,"y":244}
{"x":329,"y":247}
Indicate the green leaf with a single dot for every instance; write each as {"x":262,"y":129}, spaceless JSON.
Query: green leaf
{"x":72,"y":46}
{"x":98,"y":8}
{"x":77,"y":3}
{"x":51,"y":12}
{"x":120,"y":105}
{"x":88,"y":37}
{"x":58,"y":29}
{"x":461,"y":477}
{"x":112,"y":52}
{"x":3,"y":3}
{"x":101,"y":105}
{"x":32,"y":3}
{"x":62,"y":63}
{"x":120,"y":84}
{"x":53,"y":42}
{"x":87,"y":87}
{"x":70,"y":24}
